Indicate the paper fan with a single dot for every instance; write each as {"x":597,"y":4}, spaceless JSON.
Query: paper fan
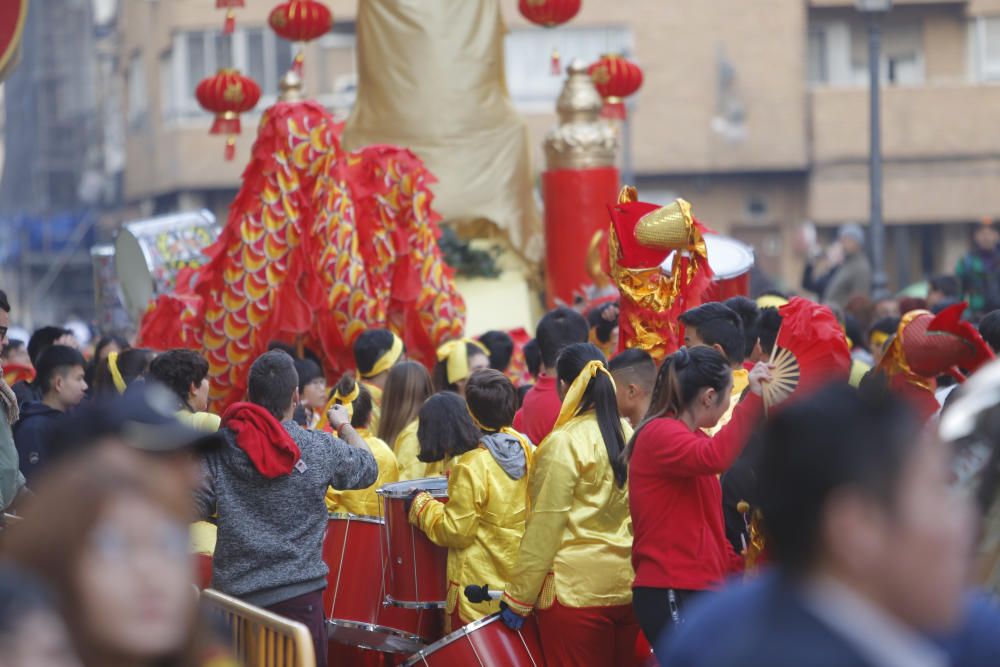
{"x":810,"y":351}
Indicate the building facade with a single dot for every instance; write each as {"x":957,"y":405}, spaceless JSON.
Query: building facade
{"x":755,"y":112}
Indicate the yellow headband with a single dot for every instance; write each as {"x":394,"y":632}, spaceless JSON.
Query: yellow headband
{"x":771,"y":301}
{"x":116,"y":375}
{"x":456,"y":353}
{"x":348,"y":400}
{"x":877,"y":340}
{"x":571,"y":403}
{"x":388,"y":359}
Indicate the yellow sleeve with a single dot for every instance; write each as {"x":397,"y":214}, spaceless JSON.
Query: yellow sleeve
{"x":452,"y":524}
{"x":551,"y":487}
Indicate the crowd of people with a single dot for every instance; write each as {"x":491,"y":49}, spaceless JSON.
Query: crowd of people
{"x":606,"y":497}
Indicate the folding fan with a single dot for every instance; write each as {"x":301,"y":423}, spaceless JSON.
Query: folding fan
{"x":810,"y":350}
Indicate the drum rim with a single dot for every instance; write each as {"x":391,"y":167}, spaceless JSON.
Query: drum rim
{"x":388,"y":492}
{"x":451,"y":637}
{"x":412,"y":604}
{"x":375,"y":629}
{"x":347,"y":516}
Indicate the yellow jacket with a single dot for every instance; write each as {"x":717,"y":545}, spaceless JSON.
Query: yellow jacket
{"x":376,"y":405}
{"x":481,"y":524}
{"x":364,"y":502}
{"x":741,"y":380}
{"x":407,"y":448}
{"x":577,"y":545}
{"x":203,"y":533}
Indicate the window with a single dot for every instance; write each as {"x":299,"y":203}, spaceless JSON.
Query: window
{"x":138,"y":96}
{"x":901,"y":54}
{"x":528,"y":52}
{"x":985,"y":41}
{"x":817,"y":67}
{"x":257,"y":52}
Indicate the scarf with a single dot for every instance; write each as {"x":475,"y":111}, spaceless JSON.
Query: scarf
{"x":271,"y":449}
{"x":455,"y":355}
{"x":571,"y":402}
{"x":8,"y":402}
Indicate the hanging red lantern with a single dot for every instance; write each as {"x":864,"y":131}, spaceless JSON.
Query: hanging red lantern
{"x":300,"y":21}
{"x":229,"y":6}
{"x":615,"y":79}
{"x":549,"y":14}
{"x":227,"y":95}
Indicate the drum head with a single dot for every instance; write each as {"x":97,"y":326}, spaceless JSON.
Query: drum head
{"x":373,"y":637}
{"x":436,"y":486}
{"x":451,"y":638}
{"x":727,"y":257}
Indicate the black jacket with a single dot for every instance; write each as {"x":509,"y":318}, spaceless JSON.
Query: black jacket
{"x":32,"y":436}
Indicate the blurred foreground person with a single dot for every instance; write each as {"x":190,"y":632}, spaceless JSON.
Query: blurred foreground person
{"x":870,"y":544}
{"x":32,"y":634}
{"x":108,"y":536}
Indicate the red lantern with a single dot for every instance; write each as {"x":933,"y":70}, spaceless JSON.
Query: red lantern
{"x":615,"y":79}
{"x":300,"y":21}
{"x":227,"y":95}
{"x":549,"y":14}
{"x":229,"y":6}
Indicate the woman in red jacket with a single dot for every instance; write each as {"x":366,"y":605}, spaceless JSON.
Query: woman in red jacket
{"x":680,"y":545}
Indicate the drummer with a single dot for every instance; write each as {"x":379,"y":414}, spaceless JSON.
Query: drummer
{"x":357,"y":399}
{"x":444,"y":430}
{"x":483,"y":521}
{"x":573,"y":567}
{"x":407,"y":386}
{"x":457,"y":360}
{"x":375,"y":352}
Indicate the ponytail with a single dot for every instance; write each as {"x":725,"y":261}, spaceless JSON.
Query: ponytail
{"x":602,"y":393}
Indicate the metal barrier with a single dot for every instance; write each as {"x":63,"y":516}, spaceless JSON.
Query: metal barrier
{"x":261,"y":638}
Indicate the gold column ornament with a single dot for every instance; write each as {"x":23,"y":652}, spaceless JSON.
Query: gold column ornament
{"x":582,"y":140}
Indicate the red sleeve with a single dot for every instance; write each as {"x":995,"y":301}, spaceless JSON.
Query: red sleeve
{"x":677,"y":452}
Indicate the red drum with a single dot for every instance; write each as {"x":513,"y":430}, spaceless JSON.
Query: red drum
{"x":731,"y":261}
{"x":486,"y":642}
{"x":417,"y":567}
{"x":355,"y":591}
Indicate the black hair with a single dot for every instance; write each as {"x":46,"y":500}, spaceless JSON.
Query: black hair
{"x":989,"y":329}
{"x":947,"y":285}
{"x":445,"y":429}
{"x":637,"y":362}
{"x":21,"y":595}
{"x":491,"y":398}
{"x":532,"y":357}
{"x":602,"y":327}
{"x":885,"y":325}
{"x":852,"y":329}
{"x":558,"y":328}
{"x":749,"y":315}
{"x":284,"y":347}
{"x":56,"y":360}
{"x":682,"y":376}
{"x":308,"y":371}
{"x":13,"y":345}
{"x":439,"y":376}
{"x":369,"y":346}
{"x":272,"y":382}
{"x":43,"y":338}
{"x":522,"y":391}
{"x":362,"y":405}
{"x":599,"y":395}
{"x":717,"y":325}
{"x":835,"y":439}
{"x":104,"y":341}
{"x":768,"y":325}
{"x":4,"y":303}
{"x":501,"y":347}
{"x":133,"y":363}
{"x":178,"y":370}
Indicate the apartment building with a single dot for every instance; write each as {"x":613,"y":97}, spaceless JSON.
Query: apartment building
{"x":757,"y":112}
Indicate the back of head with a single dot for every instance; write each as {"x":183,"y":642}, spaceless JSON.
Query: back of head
{"x":178,"y":370}
{"x":749,"y":314}
{"x":600,"y":323}
{"x":284,"y":347}
{"x":947,"y":285}
{"x":557,"y":329}
{"x":369,"y":346}
{"x":492,"y":399}
{"x":56,"y":360}
{"x":636,"y":366}
{"x":532,"y":357}
{"x":835,"y":440}
{"x":501,"y":347}
{"x":446,"y":429}
{"x":683,"y":375}
{"x":43,"y":338}
{"x":406,"y":388}
{"x":361,"y":407}
{"x":989,"y":329}
{"x":768,"y":325}
{"x":716,"y":324}
{"x":132,"y":364}
{"x":272,"y":382}
{"x":599,"y":395}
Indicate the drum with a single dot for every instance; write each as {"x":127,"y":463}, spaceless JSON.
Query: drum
{"x":150,"y":253}
{"x":484,"y":642}
{"x":731,"y":261}
{"x":417,"y":567}
{"x":355,"y":592}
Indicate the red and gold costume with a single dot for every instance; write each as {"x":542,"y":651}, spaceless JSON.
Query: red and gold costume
{"x":641,"y":238}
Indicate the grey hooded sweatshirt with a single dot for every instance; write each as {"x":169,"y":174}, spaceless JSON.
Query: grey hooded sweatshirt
{"x":270,"y":540}
{"x":508,"y":453}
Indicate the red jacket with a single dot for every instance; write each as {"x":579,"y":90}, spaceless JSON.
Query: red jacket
{"x":676,"y":501}
{"x":540,"y":410}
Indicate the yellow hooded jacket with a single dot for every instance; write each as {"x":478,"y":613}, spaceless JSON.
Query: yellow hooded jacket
{"x":481,"y":524}
{"x":577,"y":545}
